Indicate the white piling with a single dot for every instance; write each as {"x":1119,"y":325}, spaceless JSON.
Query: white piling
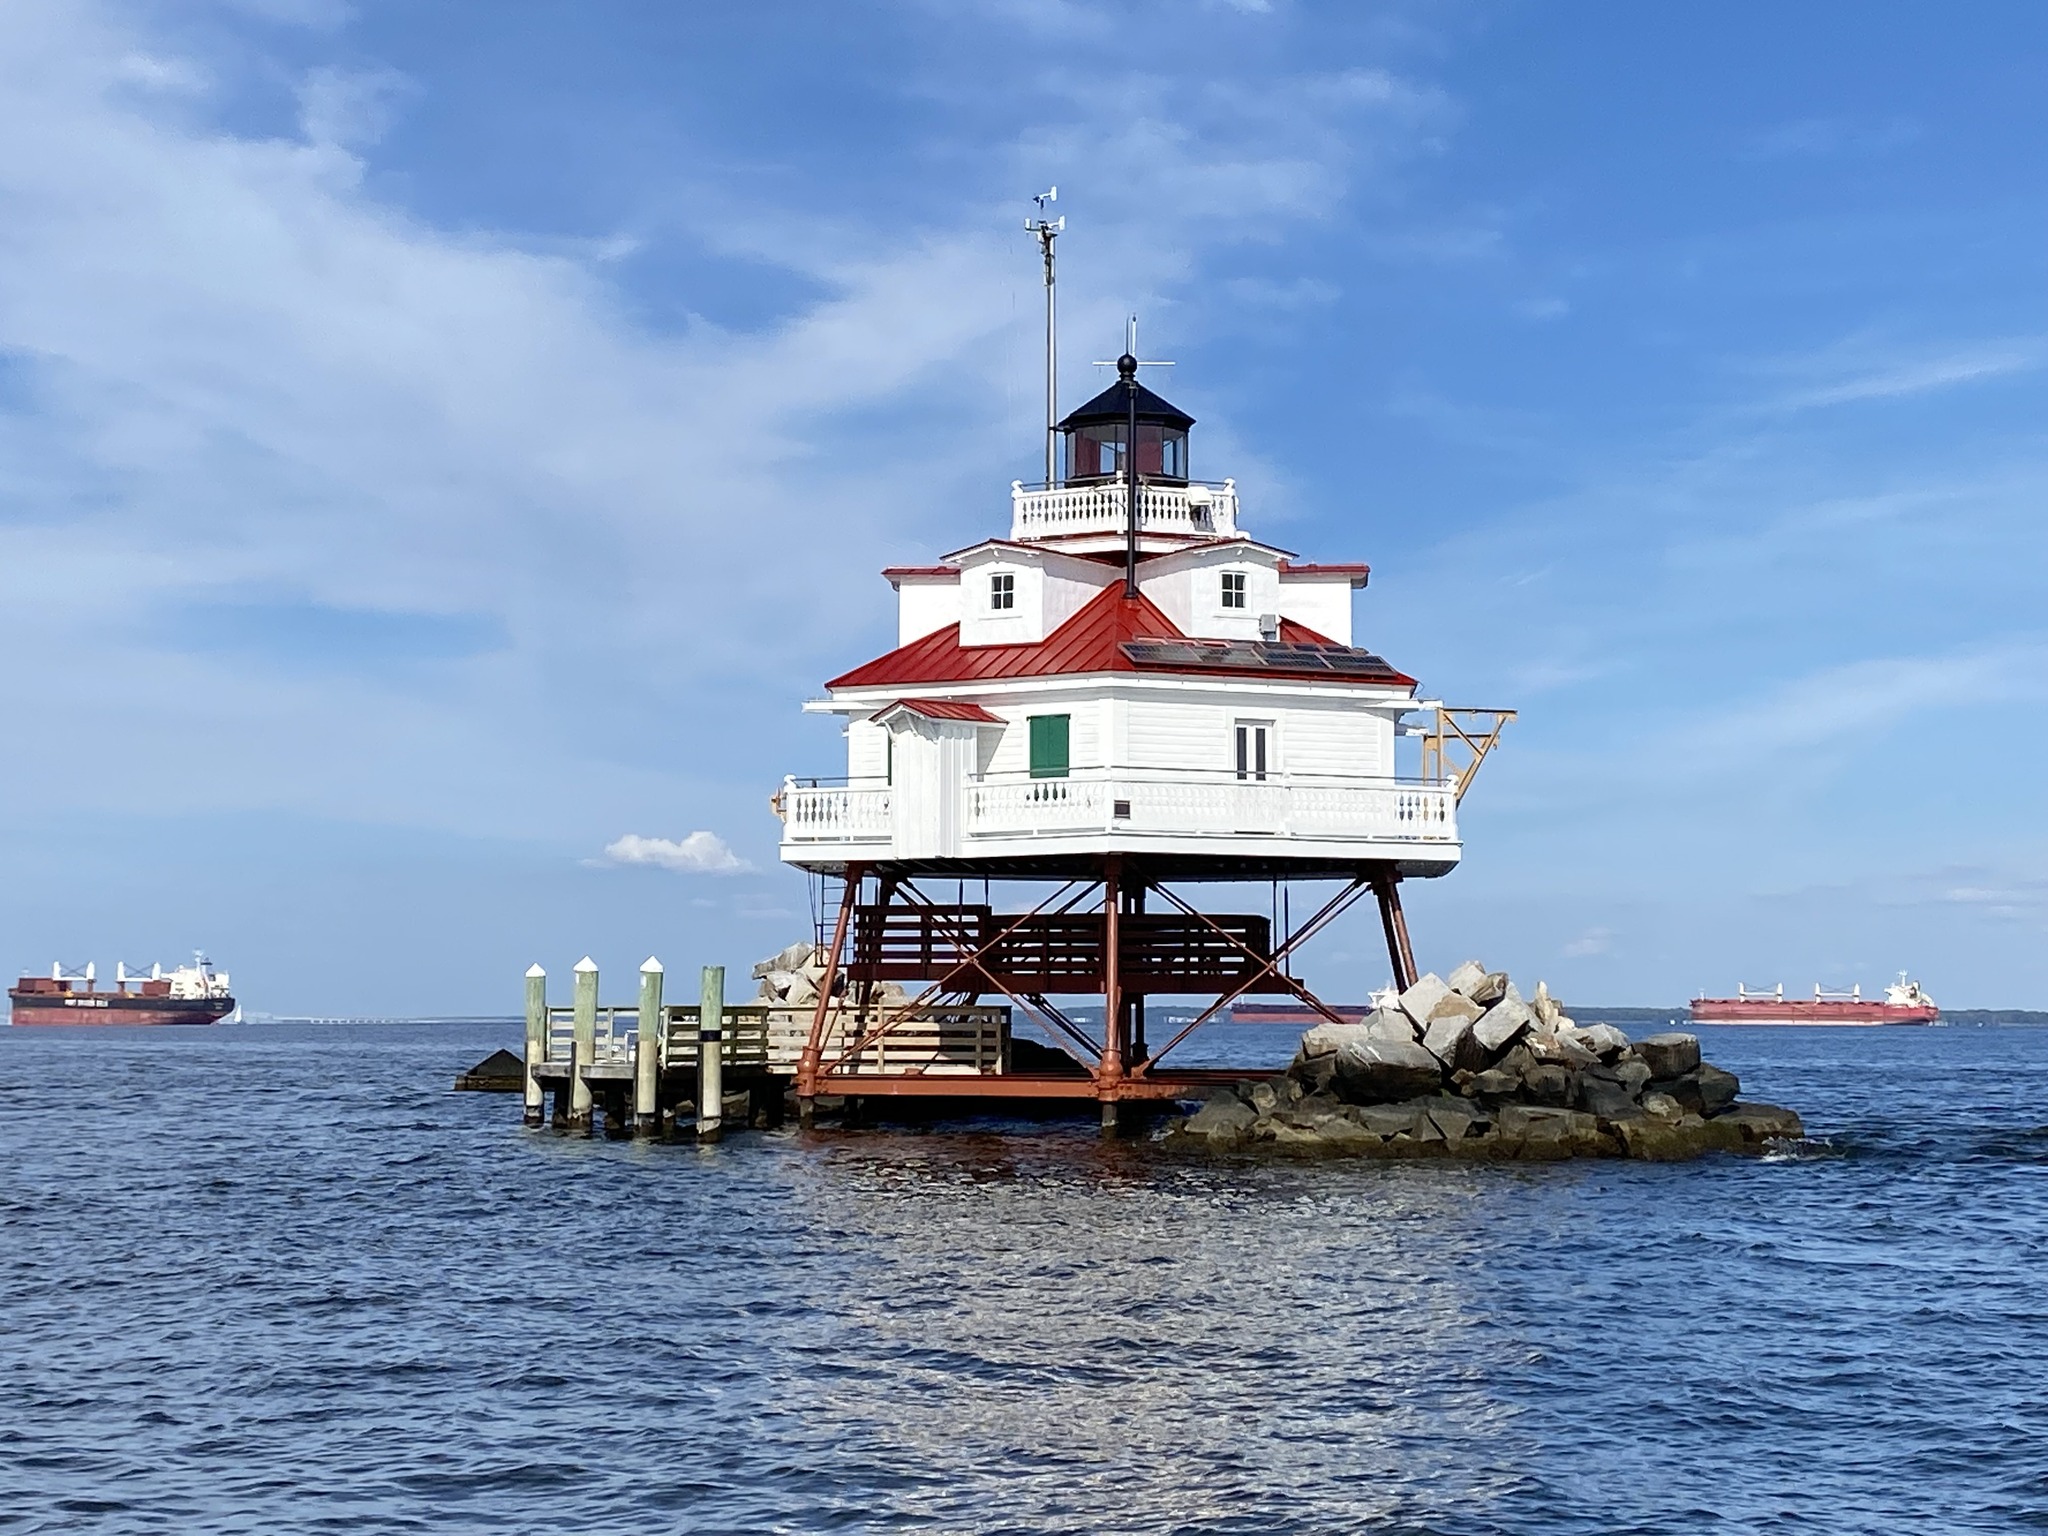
{"x":647,"y":1044}
{"x":536,"y":1040}
{"x":711,"y":1055}
{"x":580,"y":1116}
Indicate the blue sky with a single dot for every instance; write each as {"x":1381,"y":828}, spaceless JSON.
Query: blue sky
{"x":438,"y":441}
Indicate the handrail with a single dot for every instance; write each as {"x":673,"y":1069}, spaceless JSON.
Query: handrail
{"x":1180,"y":506}
{"x":1221,"y":775}
{"x":1151,"y":803}
{"x":1115,"y":481}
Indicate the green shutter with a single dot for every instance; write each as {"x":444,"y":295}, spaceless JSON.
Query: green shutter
{"x":1049,"y":746}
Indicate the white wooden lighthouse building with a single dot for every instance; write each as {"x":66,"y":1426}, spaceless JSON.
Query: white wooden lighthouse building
{"x":1126,"y":696}
{"x":1180,"y":691}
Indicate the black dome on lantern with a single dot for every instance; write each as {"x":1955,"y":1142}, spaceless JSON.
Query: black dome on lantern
{"x":1094,"y":435}
{"x":1112,"y":407}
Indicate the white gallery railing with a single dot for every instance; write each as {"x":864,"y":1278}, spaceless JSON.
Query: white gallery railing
{"x":1192,"y":507}
{"x":833,"y":813}
{"x":1147,"y":804}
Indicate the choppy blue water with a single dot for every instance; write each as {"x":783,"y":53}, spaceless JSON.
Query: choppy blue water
{"x":268,"y":1278}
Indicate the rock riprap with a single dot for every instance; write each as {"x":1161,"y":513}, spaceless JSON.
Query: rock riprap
{"x":1465,"y":1066}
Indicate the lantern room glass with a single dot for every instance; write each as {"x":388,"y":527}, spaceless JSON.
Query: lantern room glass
{"x":1097,"y":452}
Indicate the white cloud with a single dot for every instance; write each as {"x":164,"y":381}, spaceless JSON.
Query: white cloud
{"x":1594,"y":941}
{"x":251,"y":375}
{"x":1858,"y":375}
{"x":698,"y":853}
{"x":1867,"y":700}
{"x":349,"y":108}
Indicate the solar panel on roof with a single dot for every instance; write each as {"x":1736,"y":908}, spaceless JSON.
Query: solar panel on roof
{"x":1261,"y":656}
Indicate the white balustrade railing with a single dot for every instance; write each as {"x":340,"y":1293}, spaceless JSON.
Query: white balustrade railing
{"x":834,"y":813}
{"x":1148,"y":805}
{"x":1191,"y":508}
{"x":1375,"y":810}
{"x":1027,"y":806}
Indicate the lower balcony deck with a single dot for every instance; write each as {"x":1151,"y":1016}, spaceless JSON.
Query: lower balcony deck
{"x":1289,"y":825}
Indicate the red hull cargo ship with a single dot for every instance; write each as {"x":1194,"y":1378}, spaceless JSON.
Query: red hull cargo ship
{"x":191,"y":994}
{"x":1904,"y":1003}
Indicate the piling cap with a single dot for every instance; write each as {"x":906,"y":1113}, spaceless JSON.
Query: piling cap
{"x":586,"y":964}
{"x":534,"y":972}
{"x":650,"y":966}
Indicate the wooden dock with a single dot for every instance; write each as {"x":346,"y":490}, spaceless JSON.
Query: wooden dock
{"x":585,"y":1064}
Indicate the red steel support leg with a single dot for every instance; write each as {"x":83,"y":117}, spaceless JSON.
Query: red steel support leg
{"x":1387,"y":884}
{"x":1112,"y":980}
{"x":807,"y":1064}
{"x":1139,"y":1050}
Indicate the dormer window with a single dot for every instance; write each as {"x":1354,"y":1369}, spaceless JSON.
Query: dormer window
{"x":1233,"y":589}
{"x":1002,"y":592}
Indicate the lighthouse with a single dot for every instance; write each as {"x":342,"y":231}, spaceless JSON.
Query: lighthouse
{"x":1121,"y":703}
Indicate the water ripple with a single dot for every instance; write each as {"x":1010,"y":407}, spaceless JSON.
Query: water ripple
{"x":269,"y":1280}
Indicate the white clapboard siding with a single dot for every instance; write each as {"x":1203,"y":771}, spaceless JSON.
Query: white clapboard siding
{"x":1337,"y":741}
{"x":867,"y":750}
{"x":1324,"y":606}
{"x":1177,"y":733}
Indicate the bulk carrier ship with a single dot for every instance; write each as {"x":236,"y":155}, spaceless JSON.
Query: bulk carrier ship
{"x":1904,"y":1003}
{"x":191,"y":994}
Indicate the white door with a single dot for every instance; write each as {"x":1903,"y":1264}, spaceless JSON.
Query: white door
{"x":929,"y":768}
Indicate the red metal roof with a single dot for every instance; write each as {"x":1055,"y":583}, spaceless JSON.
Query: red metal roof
{"x":941,"y":709}
{"x":1091,"y":641}
{"x":1087,"y":642}
{"x":1301,"y":634}
{"x":898,"y":572}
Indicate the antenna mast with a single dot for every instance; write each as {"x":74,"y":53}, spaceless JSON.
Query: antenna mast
{"x":1048,"y":230}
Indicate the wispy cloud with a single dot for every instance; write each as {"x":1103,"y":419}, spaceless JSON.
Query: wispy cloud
{"x":1594,"y":941}
{"x":696,"y":853}
{"x":1854,"y":372}
{"x":350,"y":109}
{"x":1868,"y":700}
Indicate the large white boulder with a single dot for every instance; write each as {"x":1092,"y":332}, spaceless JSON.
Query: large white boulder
{"x":1385,"y":1071}
{"x":1500,"y":1024}
{"x":1466,"y":977}
{"x":1421,"y":999}
{"x":1390,"y":1024}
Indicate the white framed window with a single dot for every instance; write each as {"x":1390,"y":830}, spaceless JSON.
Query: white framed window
{"x":1254,"y":749}
{"x":1233,"y":589}
{"x":1002,"y":592}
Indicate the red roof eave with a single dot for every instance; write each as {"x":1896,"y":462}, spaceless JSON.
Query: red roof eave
{"x":941,"y":709}
{"x":1358,"y":574}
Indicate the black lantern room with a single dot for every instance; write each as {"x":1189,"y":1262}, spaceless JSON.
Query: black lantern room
{"x":1096,"y":434}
